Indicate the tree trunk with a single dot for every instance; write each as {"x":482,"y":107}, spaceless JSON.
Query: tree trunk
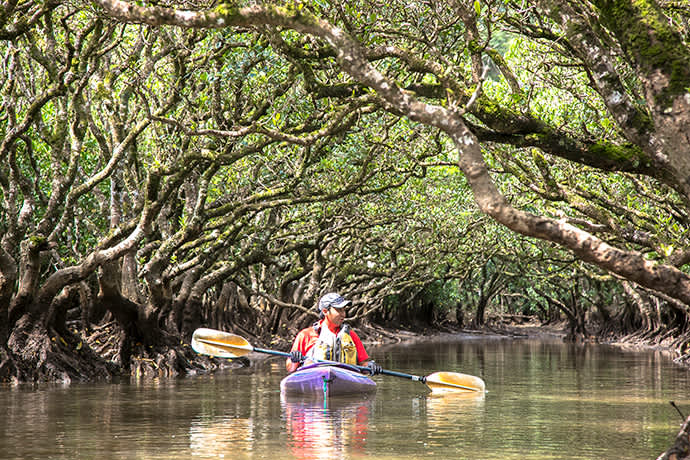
{"x":159,"y":291}
{"x":479,"y":316}
{"x":191,"y":316}
{"x":459,"y":315}
{"x":633,"y":315}
{"x":57,"y":316}
{"x":29,"y":275}
{"x":138,"y":322}
{"x":184,"y":316}
{"x":217,"y":314}
{"x":130,"y":280}
{"x":8,"y":277}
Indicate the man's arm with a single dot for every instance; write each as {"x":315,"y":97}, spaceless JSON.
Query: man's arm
{"x":362,"y":355}
{"x":297,"y":345}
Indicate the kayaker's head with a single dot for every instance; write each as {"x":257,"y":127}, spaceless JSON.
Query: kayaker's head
{"x":332,"y":307}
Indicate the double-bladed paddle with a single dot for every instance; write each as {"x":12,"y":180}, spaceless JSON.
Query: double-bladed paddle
{"x":226,"y":345}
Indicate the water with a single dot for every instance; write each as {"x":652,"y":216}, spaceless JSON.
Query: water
{"x":545,"y":400}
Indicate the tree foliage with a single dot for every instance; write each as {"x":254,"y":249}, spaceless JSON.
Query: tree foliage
{"x":168,"y":164}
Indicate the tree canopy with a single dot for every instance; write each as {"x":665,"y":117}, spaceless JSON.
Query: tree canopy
{"x":166,"y":163}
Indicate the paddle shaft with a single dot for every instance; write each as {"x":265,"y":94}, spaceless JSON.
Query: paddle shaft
{"x":416,"y":378}
{"x":359,"y":368}
{"x":271,"y":352}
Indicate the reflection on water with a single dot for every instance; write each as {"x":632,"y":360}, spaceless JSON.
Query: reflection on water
{"x":450,"y":413}
{"x":334,"y":429}
{"x":210,"y":438}
{"x":544,"y":400}
{"x":448,"y":409}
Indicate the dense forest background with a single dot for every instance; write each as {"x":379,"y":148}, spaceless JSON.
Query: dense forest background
{"x":171,"y":164}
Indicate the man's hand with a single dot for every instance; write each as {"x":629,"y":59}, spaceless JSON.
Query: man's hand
{"x":296,"y":356}
{"x":374,"y":368}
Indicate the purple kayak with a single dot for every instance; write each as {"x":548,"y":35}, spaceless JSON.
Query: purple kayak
{"x":329,"y":379}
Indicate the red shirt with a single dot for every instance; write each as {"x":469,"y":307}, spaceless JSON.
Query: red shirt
{"x":306,"y":339}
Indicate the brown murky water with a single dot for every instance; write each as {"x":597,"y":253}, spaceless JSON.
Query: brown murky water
{"x":545,"y":400}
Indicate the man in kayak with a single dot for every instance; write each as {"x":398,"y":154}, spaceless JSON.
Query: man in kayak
{"x":329,"y":339}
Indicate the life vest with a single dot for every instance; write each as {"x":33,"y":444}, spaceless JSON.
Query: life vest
{"x":332,"y":347}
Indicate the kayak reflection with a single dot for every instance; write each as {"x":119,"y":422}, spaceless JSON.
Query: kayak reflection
{"x":334,"y":428}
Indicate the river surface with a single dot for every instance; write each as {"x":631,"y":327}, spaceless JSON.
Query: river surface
{"x":544,"y":400}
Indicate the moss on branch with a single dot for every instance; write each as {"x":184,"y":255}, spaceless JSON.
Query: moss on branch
{"x":651,"y":43}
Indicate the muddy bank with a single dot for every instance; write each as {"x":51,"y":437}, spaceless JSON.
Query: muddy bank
{"x":532,"y":329}
{"x":377,"y":335}
{"x":630,"y":342}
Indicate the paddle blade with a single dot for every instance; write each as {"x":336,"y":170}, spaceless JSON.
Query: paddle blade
{"x":219,"y":344}
{"x":454,"y":381}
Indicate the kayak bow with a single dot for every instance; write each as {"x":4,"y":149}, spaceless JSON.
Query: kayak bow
{"x":327,"y":379}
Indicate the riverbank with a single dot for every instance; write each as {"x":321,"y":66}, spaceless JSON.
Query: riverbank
{"x":525,"y":329}
{"x":629,"y":342}
{"x":378,"y":335}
